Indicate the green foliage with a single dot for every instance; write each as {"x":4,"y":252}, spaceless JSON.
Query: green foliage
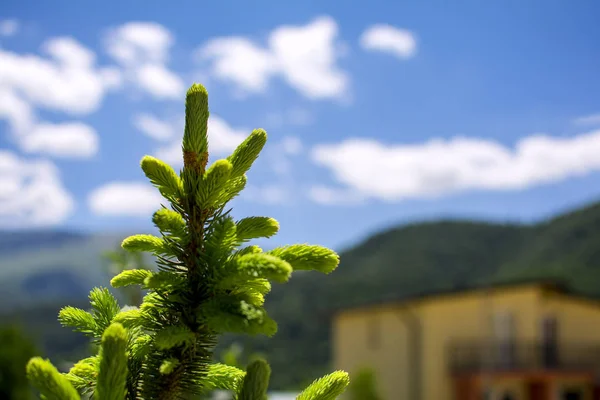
{"x":130,"y":277}
{"x":363,"y":385}
{"x":256,"y":381}
{"x":83,"y":374}
{"x":235,"y":356}
{"x":78,"y":319}
{"x":104,"y":308}
{"x":149,"y":243}
{"x":169,"y":222}
{"x":306,"y":257}
{"x":327,"y":388}
{"x":195,"y":136}
{"x":15,"y":351}
{"x":256,"y":266}
{"x":212,"y":183}
{"x":256,"y":227}
{"x":162,"y":176}
{"x":168,"y":366}
{"x":247,"y":152}
{"x":205,"y":285}
{"x":174,"y":336}
{"x":224,"y":377}
{"x":112,"y":371}
{"x":52,"y":384}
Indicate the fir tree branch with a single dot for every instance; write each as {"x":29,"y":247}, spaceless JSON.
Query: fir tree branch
{"x":256,"y":381}
{"x":51,"y":383}
{"x":205,"y":285}
{"x":112,"y":371}
{"x":328,"y":387}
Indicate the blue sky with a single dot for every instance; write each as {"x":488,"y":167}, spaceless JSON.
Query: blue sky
{"x":378,"y":113}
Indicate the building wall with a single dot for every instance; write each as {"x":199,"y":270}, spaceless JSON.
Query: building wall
{"x":378,"y":338}
{"x":578,"y":319}
{"x":578,"y":324}
{"x":375,"y":339}
{"x":464,"y":317}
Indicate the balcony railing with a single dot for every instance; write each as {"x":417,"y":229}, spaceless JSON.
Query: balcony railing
{"x":472,"y":356}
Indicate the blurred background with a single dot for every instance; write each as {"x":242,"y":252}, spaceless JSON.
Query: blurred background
{"x":449,"y":151}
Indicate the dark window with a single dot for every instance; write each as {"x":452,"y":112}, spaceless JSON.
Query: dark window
{"x":508,"y":396}
{"x":550,"y":342}
{"x":572,"y":394}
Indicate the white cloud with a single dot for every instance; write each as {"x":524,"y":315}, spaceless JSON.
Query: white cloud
{"x":63,"y":140}
{"x":240,"y":61}
{"x":332,"y":196}
{"x":142,"y":50}
{"x":294,"y":116}
{"x":592,"y":119}
{"x":125,"y":199}
{"x":73,"y":140}
{"x":304,"y":56}
{"x":16,"y":111}
{"x":291,"y":145}
{"x":222,"y":138}
{"x":9,"y":27}
{"x":67,"y":81}
{"x":438,"y":167}
{"x":136,"y":42}
{"x":267,"y":194}
{"x":388,"y":39}
{"x":153,"y":127}
{"x":31,"y":193}
{"x":160,"y":82}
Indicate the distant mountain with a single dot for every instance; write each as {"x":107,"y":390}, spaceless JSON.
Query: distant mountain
{"x":19,"y":241}
{"x":404,"y":261}
{"x":50,"y":266}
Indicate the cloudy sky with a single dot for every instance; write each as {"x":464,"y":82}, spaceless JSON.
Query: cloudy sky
{"x":378,"y":112}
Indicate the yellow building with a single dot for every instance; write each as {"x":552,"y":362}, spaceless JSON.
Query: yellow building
{"x":519,"y":341}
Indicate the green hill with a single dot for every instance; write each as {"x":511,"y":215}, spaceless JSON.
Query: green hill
{"x":566,"y":247}
{"x":62,"y":269}
{"x":407,"y":260}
